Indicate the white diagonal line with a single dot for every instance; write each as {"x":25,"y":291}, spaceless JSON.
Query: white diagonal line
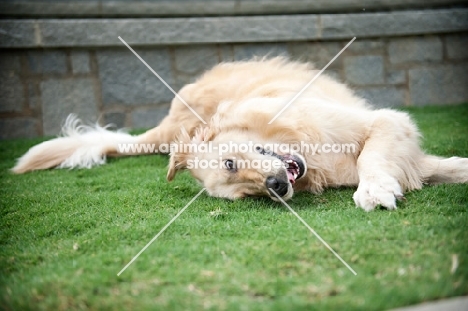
{"x":313,"y":231}
{"x":160,"y":232}
{"x":311,"y":81}
{"x":164,"y":82}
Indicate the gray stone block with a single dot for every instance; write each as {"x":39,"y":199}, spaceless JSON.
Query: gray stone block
{"x":80,"y":61}
{"x":181,"y":80}
{"x":18,"y":33}
{"x":226,"y":53}
{"x":11,"y":87}
{"x":115,"y":118}
{"x":445,"y":84}
{"x":34,"y":96}
{"x":149,"y":118}
{"x":18,"y":128}
{"x":60,"y":97}
{"x":33,"y":8}
{"x":456,"y":46}
{"x":364,"y":70}
{"x":248,"y":51}
{"x":80,"y":32}
{"x":383,"y":96}
{"x":318,"y":53}
{"x":393,"y":23}
{"x":415,"y":49}
{"x":195,"y":59}
{"x":43,"y":62}
{"x":362,"y":45}
{"x":396,"y":76}
{"x":169,"y":8}
{"x":144,"y":31}
{"x":126,"y":80}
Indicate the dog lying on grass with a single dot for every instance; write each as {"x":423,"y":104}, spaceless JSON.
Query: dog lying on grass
{"x":242,"y":103}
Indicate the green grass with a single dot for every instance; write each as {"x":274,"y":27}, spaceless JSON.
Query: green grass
{"x":66,"y":234}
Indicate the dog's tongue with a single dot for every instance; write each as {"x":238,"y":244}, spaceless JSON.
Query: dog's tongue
{"x":291,"y":177}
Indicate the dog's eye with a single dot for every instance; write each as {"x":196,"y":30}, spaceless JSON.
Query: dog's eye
{"x":229,"y":164}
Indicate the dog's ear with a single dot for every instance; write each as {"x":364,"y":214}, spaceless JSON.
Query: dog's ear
{"x":203,"y":134}
{"x":178,"y":159}
{"x":177,"y":162}
{"x":180,"y":154}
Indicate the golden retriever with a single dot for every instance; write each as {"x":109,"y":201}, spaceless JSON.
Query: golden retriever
{"x":240,"y":102}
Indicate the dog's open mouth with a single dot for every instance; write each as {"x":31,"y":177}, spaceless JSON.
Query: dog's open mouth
{"x":295,"y":167}
{"x":294,"y":163}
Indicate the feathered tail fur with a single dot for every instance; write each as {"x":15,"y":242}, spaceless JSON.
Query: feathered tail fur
{"x":78,"y":146}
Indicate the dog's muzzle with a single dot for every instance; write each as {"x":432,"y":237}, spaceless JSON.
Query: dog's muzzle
{"x":278,"y":185}
{"x":295,"y":168}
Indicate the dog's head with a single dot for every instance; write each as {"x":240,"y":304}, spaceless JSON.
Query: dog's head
{"x":237,"y":164}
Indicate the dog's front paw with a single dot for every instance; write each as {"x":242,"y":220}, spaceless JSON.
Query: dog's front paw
{"x":375,"y":191}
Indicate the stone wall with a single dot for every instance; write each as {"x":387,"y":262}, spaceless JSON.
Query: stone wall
{"x":42,"y":83}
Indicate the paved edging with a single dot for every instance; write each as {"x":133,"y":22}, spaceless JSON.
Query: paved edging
{"x":53,"y":33}
{"x":451,"y":304}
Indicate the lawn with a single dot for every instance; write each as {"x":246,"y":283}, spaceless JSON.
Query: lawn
{"x":66,"y":234}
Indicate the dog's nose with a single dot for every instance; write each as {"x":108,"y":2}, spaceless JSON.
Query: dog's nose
{"x":279,"y":186}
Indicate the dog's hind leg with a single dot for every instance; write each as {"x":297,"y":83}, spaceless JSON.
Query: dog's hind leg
{"x":437,"y":170}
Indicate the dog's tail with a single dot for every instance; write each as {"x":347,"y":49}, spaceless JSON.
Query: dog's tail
{"x":439,"y":170}
{"x":78,"y":146}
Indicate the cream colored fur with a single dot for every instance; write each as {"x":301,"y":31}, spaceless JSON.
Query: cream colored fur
{"x":238,"y":100}
{"x":79,"y":146}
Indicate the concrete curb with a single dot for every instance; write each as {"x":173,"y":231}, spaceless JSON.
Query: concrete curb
{"x":452,"y":304}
